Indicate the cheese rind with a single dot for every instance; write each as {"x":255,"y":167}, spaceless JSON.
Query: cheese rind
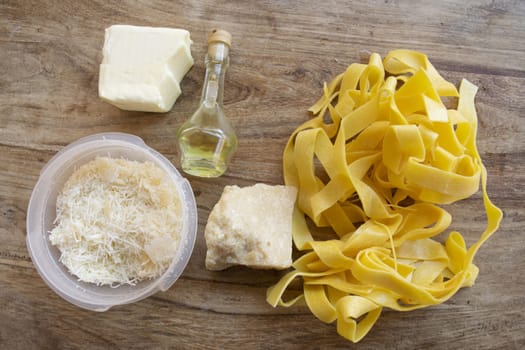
{"x":251,"y":226}
{"x":142,"y":67}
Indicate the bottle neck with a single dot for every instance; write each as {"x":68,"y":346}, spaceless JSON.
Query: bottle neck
{"x":216,"y":64}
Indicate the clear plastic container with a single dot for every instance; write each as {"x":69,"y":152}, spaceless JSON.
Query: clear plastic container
{"x":42,"y":212}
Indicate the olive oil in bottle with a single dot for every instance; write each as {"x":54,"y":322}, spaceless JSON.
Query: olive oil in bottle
{"x":207,"y":140}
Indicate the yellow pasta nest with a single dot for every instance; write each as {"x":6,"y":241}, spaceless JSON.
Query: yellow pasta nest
{"x":380,"y":153}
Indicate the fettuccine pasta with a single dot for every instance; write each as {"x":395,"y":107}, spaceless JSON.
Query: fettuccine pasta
{"x":380,"y":154}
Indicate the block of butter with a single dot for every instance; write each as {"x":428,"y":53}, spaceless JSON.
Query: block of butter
{"x":251,"y":226}
{"x":142,"y":67}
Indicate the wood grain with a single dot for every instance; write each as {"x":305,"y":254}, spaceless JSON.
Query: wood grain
{"x":283,"y":52}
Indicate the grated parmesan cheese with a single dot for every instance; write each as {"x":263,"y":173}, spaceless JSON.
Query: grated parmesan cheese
{"x":118,"y":222}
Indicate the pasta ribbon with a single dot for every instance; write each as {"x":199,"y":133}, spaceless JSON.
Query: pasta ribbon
{"x":380,"y":154}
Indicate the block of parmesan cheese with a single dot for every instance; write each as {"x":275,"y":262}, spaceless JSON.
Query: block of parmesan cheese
{"x":251,"y":226}
{"x":142,"y":67}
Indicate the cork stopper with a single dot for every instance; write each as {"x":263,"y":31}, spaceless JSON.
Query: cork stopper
{"x":220,"y":35}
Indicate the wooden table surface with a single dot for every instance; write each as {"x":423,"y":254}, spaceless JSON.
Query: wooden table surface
{"x":283,"y":52}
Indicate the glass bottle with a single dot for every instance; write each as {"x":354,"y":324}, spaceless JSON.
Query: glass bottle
{"x":207,"y":140}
